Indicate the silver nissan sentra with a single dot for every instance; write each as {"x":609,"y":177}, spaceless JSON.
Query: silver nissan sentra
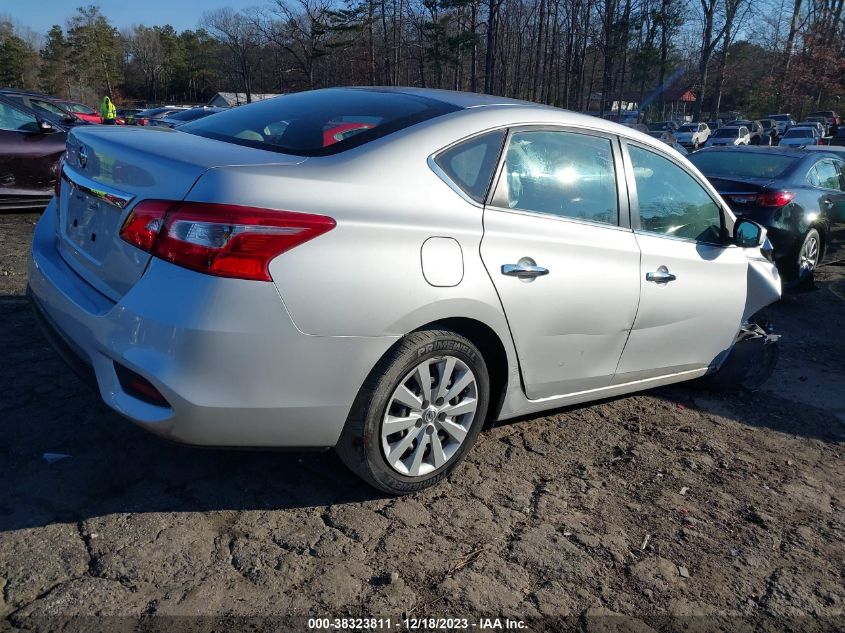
{"x":382,"y":270}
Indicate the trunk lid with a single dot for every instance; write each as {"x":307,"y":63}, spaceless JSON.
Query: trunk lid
{"x":110,"y":169}
{"x":741,"y":195}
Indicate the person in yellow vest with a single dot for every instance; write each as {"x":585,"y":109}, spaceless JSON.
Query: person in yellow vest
{"x":108,"y":113}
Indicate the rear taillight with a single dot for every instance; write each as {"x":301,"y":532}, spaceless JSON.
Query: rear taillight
{"x":140,"y":121}
{"x":775,"y":198}
{"x":144,"y":224}
{"x":219,"y":239}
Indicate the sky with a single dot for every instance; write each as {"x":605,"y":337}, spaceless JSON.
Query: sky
{"x":40,"y":15}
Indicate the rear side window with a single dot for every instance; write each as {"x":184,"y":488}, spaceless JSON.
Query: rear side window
{"x":319,"y":122}
{"x":827,"y":175}
{"x":470,"y":164}
{"x":566,"y":174}
{"x":671,"y":202}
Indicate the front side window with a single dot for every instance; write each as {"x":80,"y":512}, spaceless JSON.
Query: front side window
{"x":46,"y":106}
{"x":470,"y":165}
{"x":565,"y":174}
{"x":671,"y":201}
{"x":16,"y":120}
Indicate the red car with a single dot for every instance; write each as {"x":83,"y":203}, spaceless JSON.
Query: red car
{"x":84,"y":112}
{"x":80,"y":111}
{"x":336,"y":132}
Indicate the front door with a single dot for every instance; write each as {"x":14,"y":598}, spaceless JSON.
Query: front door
{"x":693,"y":282}
{"x":558,"y":247}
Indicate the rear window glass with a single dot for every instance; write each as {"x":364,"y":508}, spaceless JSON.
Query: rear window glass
{"x":470,"y":164}
{"x":319,"y":122}
{"x":738,"y":165}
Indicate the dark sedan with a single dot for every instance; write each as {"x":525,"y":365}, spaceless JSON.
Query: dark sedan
{"x":184,"y":116}
{"x":45,"y":106}
{"x":30,"y":149}
{"x":794,"y":193}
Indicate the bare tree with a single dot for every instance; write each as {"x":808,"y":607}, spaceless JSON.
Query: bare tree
{"x":240,"y":36}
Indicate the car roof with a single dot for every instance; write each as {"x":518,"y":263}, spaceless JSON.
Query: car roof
{"x":453,"y":97}
{"x":27,"y":93}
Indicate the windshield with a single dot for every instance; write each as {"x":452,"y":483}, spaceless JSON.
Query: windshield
{"x":735,"y":164}
{"x":78,"y":107}
{"x":726,"y":133}
{"x":319,"y":122}
{"x":799,"y":133}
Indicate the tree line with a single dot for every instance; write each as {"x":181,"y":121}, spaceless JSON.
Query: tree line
{"x":589,"y":55}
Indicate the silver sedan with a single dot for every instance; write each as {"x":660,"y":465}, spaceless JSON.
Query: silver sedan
{"x":382,"y":270}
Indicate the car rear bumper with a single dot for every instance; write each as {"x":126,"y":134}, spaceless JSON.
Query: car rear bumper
{"x":223,"y":352}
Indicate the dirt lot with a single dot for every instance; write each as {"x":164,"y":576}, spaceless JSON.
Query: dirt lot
{"x":671,"y":503}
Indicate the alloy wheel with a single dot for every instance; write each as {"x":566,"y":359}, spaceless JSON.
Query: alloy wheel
{"x":808,"y":258}
{"x":429,"y":415}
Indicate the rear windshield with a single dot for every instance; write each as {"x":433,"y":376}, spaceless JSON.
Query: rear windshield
{"x":320,"y":122}
{"x":738,"y":165}
{"x":190,"y":115}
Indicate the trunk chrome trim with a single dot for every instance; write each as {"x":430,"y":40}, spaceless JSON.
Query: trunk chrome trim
{"x":114,"y":197}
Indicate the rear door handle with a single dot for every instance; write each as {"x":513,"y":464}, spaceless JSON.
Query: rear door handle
{"x":526,"y":268}
{"x":661,"y":276}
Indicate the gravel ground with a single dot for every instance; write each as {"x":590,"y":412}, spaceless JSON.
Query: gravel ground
{"x":673,"y":503}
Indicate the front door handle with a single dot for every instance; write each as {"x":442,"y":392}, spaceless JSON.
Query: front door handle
{"x":526,"y":268}
{"x":662,"y":276}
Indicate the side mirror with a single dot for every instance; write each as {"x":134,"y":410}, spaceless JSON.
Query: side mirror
{"x":45,"y":126}
{"x":748,"y":234}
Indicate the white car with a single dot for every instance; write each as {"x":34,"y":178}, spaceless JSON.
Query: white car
{"x":693,"y":135}
{"x":799,"y":136}
{"x":733,"y":135}
{"x":784,"y":122}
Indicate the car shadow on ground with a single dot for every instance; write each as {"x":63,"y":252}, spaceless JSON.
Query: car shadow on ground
{"x":67,"y":457}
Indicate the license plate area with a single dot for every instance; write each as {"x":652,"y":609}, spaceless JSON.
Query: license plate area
{"x":89,"y":224}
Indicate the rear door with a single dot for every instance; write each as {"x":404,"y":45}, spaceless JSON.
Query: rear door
{"x":827,"y":179}
{"x":693,"y":284}
{"x":559,"y":249}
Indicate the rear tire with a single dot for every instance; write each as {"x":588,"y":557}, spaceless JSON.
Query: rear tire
{"x":403,"y":435}
{"x":807,"y":260}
